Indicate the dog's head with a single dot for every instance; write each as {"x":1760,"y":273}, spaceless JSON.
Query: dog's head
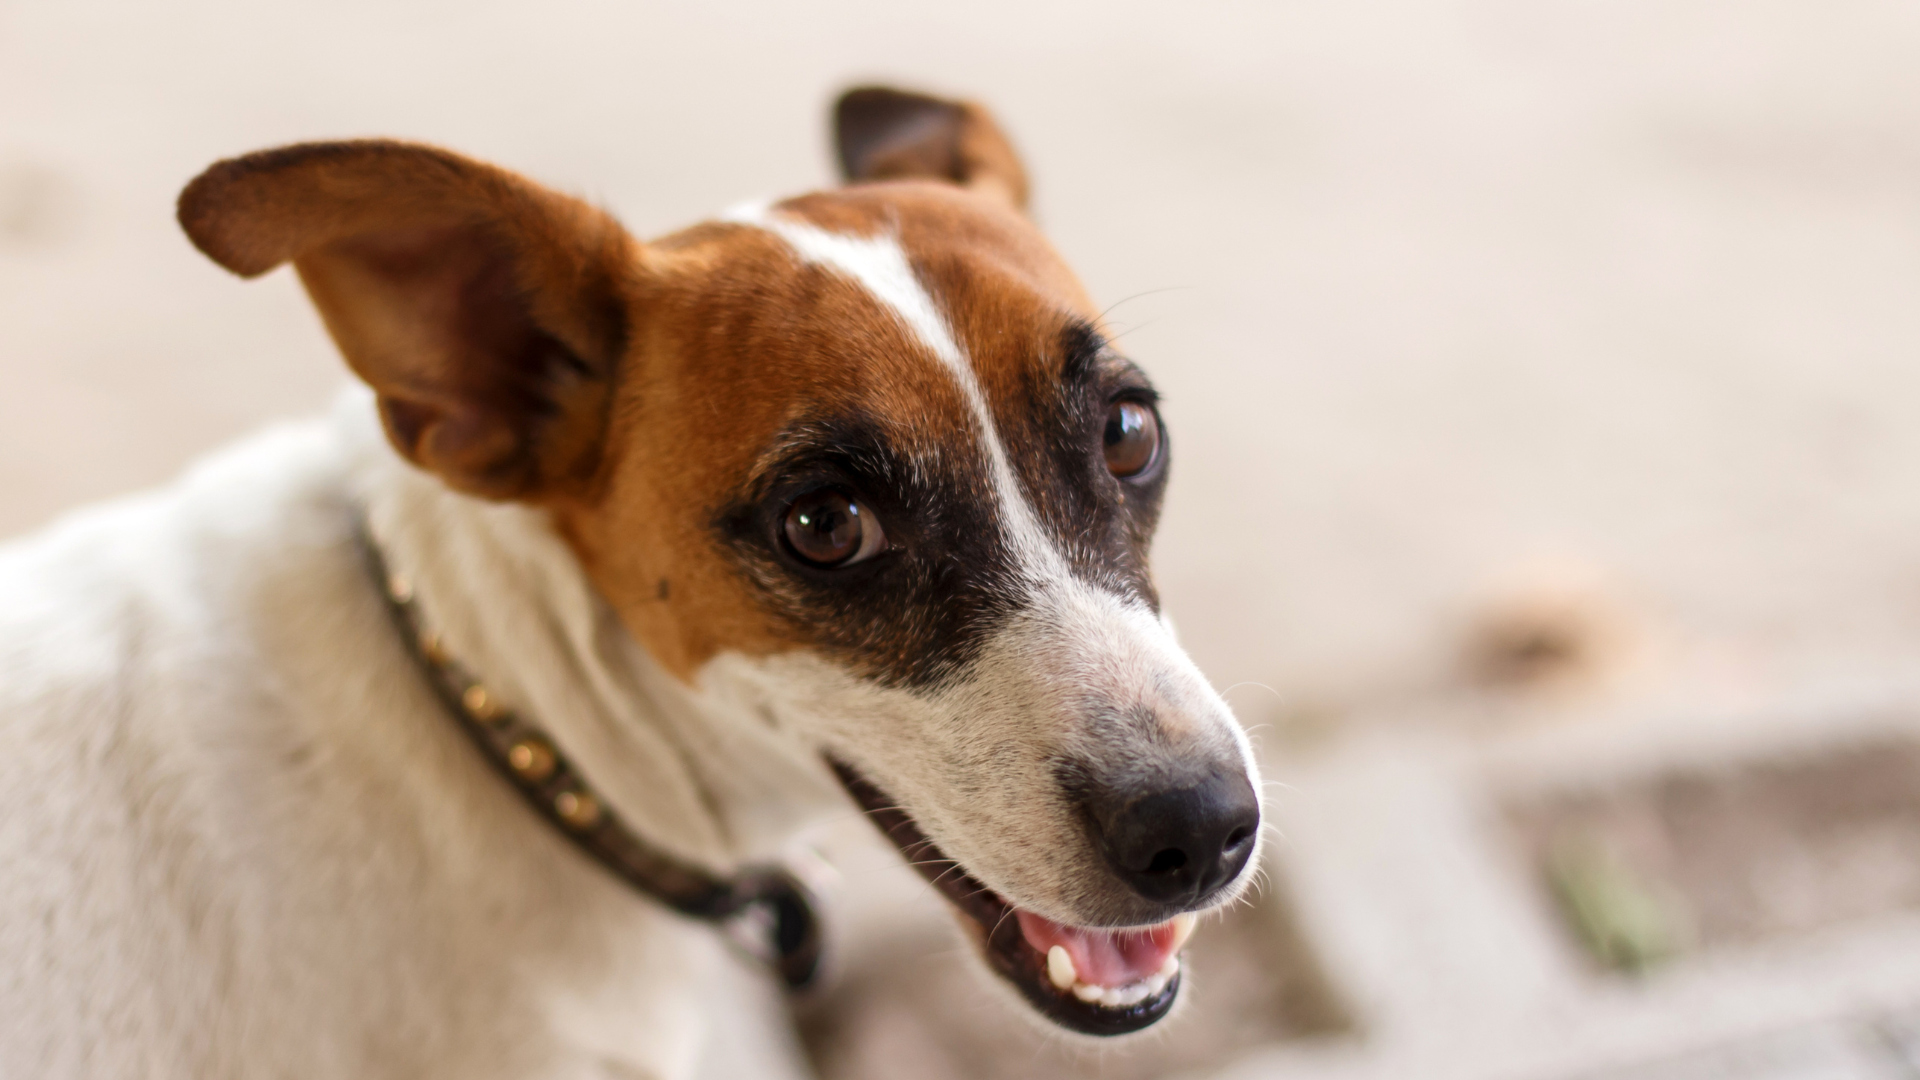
{"x":868,"y":451}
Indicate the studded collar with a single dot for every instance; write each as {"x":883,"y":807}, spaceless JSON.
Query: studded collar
{"x":766,"y":907}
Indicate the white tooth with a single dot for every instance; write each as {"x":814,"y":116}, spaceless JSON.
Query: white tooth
{"x":1183,"y":924}
{"x":1168,"y":969}
{"x":1133,"y":993}
{"x":1155,"y":985}
{"x":1111,"y":997}
{"x":1060,"y":968}
{"x":1087,"y":992}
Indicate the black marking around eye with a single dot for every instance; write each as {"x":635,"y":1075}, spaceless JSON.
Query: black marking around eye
{"x":915,"y":613}
{"x":918,"y":612}
{"x":1102,"y":525}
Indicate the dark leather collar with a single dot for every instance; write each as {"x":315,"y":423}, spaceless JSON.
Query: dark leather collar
{"x":767,"y":906}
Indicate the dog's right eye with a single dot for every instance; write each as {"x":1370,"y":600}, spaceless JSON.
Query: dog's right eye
{"x":829,"y":528}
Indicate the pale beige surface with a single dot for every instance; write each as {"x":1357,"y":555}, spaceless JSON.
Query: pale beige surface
{"x":1438,"y":293}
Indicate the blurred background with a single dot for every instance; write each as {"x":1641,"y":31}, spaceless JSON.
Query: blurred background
{"x":1547,"y":497}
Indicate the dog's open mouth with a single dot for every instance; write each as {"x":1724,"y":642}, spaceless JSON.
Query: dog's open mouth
{"x":1091,"y":980}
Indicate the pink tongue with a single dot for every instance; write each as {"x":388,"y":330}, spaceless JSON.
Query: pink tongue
{"x":1107,"y":958}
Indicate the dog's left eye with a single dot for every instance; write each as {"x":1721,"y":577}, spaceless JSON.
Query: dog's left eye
{"x":829,"y":528}
{"x":1131,"y":439}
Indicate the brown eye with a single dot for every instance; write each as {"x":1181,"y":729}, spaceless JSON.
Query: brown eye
{"x":830,"y":528}
{"x":1132,"y":438}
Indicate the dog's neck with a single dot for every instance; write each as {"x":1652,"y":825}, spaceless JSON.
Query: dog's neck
{"x":698,"y":771}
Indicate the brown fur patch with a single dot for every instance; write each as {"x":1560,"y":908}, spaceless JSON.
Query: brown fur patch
{"x":523,"y":346}
{"x":740,"y":341}
{"x":487,"y":312}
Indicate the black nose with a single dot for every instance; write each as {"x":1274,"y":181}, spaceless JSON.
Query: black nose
{"x":1178,"y":845}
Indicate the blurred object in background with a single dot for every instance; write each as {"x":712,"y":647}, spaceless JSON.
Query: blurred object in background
{"x":1554,"y":627}
{"x":1430,"y":289}
{"x":1736,"y":854}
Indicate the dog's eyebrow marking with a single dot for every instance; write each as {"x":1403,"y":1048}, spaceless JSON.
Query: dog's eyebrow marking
{"x":879,"y":265}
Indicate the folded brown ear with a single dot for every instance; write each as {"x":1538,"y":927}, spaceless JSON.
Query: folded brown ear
{"x":486,"y":312}
{"x":886,"y":134}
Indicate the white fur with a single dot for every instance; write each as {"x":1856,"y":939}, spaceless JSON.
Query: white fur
{"x":242,"y":839}
{"x":973,"y":760}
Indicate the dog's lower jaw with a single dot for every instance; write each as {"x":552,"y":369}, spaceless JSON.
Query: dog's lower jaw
{"x":1010,"y":941}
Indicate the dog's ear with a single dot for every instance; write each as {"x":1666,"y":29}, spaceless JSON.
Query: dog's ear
{"x":885,"y":134}
{"x":486,"y":312}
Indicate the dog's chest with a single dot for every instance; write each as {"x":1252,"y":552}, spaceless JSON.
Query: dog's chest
{"x":243,"y":839}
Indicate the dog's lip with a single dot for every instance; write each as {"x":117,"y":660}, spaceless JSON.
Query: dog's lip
{"x":996,"y":928}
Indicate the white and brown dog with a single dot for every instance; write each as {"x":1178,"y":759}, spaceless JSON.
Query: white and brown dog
{"x":845,"y":493}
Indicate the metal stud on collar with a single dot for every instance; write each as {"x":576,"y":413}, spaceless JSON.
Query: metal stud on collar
{"x":765,"y":908}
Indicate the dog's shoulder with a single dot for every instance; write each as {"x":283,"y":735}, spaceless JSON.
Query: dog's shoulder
{"x":135,"y":685}
{"x":116,"y":589}
{"x":227,"y":787}
{"x":112,"y":592}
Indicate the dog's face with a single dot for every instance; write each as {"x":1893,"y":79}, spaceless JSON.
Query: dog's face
{"x":865,"y":454}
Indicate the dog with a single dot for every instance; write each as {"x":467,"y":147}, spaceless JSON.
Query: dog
{"x":460,"y":731}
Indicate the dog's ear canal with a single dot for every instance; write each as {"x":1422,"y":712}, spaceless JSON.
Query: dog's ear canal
{"x":886,"y":134}
{"x":487,"y":313}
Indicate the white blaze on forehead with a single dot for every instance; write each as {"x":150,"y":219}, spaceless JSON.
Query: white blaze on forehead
{"x":879,"y":265}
